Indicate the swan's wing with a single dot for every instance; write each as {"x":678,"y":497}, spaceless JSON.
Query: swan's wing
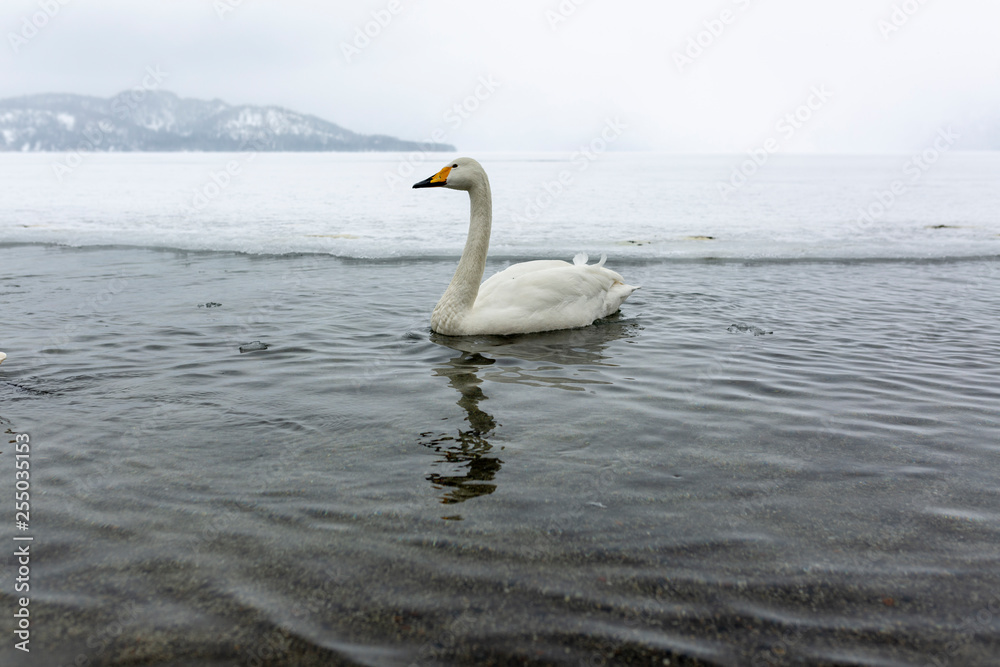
{"x":515,"y":271}
{"x":547,"y":295}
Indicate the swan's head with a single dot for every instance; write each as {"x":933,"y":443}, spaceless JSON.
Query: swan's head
{"x":461,"y":174}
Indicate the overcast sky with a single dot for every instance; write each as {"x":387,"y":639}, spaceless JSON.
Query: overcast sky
{"x":691,"y":76}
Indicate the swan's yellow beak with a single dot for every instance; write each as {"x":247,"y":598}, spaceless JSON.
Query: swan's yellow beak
{"x":435,"y":181}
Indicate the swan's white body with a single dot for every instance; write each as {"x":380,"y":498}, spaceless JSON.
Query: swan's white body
{"x":543,"y":295}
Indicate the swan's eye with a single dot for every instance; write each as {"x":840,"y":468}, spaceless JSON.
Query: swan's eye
{"x":454,"y":166}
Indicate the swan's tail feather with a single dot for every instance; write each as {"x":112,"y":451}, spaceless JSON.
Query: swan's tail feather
{"x":582,"y":258}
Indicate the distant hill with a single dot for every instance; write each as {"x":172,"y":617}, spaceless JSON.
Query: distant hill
{"x":162,"y":121}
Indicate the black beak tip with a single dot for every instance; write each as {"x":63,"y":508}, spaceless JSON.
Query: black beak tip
{"x":431,"y":183}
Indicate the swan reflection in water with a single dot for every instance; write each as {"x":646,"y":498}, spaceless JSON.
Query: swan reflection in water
{"x":551,"y":359}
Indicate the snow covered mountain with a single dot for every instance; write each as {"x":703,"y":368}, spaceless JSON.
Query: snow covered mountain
{"x":162,"y":121}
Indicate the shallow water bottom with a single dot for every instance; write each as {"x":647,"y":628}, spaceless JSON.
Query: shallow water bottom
{"x":814,"y":485}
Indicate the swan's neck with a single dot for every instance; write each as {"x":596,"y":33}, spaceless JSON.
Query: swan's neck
{"x":464,"y":287}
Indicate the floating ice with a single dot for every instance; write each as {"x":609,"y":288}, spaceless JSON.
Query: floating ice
{"x":272,"y":207}
{"x":747,"y":328}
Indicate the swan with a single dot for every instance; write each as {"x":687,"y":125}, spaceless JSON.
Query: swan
{"x":542,"y":295}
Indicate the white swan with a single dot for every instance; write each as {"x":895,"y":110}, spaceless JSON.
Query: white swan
{"x":543,"y":295}
{"x":2,"y":357}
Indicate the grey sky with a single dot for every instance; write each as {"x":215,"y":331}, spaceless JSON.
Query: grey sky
{"x":880,"y":75}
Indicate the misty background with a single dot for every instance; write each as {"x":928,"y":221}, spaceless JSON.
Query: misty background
{"x":707,"y":76}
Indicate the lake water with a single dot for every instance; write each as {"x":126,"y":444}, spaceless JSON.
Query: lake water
{"x":784,"y":450}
